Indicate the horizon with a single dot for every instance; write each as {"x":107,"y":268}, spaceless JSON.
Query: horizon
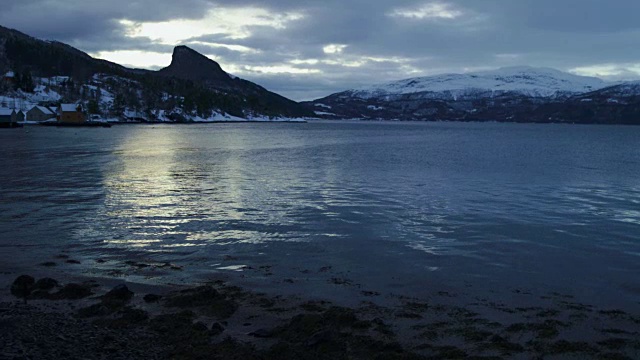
{"x":373,"y":85}
{"x":305,"y":51}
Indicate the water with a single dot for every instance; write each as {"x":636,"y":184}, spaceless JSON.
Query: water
{"x":388,"y":207}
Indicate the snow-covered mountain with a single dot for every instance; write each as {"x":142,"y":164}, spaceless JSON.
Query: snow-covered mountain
{"x":528,"y":81}
{"x":515,"y":94}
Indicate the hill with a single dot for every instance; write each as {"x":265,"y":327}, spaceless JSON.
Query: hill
{"x":192,"y":87}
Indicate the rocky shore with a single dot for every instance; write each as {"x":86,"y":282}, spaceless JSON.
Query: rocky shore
{"x":47,"y":319}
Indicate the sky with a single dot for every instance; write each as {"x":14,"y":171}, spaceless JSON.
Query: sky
{"x":307,"y":49}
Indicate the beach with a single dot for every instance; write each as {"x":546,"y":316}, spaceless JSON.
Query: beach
{"x":81,"y":317}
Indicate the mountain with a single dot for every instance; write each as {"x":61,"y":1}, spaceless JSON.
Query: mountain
{"x":527,"y":81}
{"x":515,"y":94}
{"x":617,"y":104}
{"x":49,"y":58}
{"x":188,"y":64}
{"x":191,"y":87}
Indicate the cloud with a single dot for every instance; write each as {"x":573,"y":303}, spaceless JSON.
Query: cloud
{"x":305,"y":49}
{"x":433,"y":10}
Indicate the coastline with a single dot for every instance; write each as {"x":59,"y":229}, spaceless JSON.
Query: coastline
{"x":90,"y":223}
{"x":217,"y":319}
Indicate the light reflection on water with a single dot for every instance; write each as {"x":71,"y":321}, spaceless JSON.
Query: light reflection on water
{"x":555,"y":205}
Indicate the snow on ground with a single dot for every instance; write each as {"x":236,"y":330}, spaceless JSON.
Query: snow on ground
{"x":19,"y":103}
{"x":537,"y":82}
{"x":218,"y":117}
{"x":55,"y":80}
{"x":43,"y":93}
{"x":107,"y":98}
{"x":324,"y":113}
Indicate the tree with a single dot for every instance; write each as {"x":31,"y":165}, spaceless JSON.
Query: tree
{"x":119,"y":103}
{"x":98,"y":94}
{"x":27,"y":82}
{"x":93,"y":107}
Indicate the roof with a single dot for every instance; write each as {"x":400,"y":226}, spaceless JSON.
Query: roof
{"x":45,"y":110}
{"x":6,"y":112}
{"x":68,"y":107}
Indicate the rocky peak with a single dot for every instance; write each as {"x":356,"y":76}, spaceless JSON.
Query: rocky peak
{"x":189,"y":64}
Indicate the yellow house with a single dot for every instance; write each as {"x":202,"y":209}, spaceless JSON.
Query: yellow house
{"x":70,"y":113}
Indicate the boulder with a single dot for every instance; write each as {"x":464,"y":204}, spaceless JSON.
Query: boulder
{"x":73,"y":292}
{"x":22,"y":286}
{"x":46,"y":284}
{"x":120,"y":293}
{"x":320,"y":337}
{"x":216,"y":329}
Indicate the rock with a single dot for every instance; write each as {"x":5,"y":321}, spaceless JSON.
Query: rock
{"x":73,"y":262}
{"x":152,"y":298}
{"x":46,"y":284}
{"x":212,"y":302}
{"x":95,"y":311}
{"x":201,"y":327}
{"x":319,"y":337}
{"x":22,"y":286}
{"x":134,"y":316}
{"x":216,"y":329}
{"x":120,"y":293}
{"x":199,"y":296}
{"x":40,"y":294}
{"x":261,"y":333}
{"x":73,"y":292}
{"x":48,"y":264}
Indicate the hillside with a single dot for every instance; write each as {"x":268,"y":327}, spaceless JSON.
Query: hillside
{"x":192,"y":87}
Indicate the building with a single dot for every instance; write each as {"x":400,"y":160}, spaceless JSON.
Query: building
{"x":9,"y":77}
{"x":70,"y":113}
{"x":20,"y":116}
{"x":40,"y":113}
{"x":8,"y":118}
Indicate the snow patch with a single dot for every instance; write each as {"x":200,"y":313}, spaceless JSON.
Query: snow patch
{"x":324,"y":113}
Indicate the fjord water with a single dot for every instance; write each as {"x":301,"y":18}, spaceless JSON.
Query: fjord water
{"x":390,"y":207}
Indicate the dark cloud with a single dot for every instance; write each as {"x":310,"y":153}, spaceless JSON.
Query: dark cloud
{"x":431,"y":37}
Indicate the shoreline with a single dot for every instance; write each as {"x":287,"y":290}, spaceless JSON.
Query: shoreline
{"x":218,"y":317}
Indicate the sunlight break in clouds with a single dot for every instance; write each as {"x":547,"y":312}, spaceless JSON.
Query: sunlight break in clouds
{"x":234,"y":23}
{"x":230,"y":23}
{"x":428,"y":11}
{"x":135,"y":58}
{"x":610,"y":71}
{"x":279,"y":69}
{"x":334,"y":48}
